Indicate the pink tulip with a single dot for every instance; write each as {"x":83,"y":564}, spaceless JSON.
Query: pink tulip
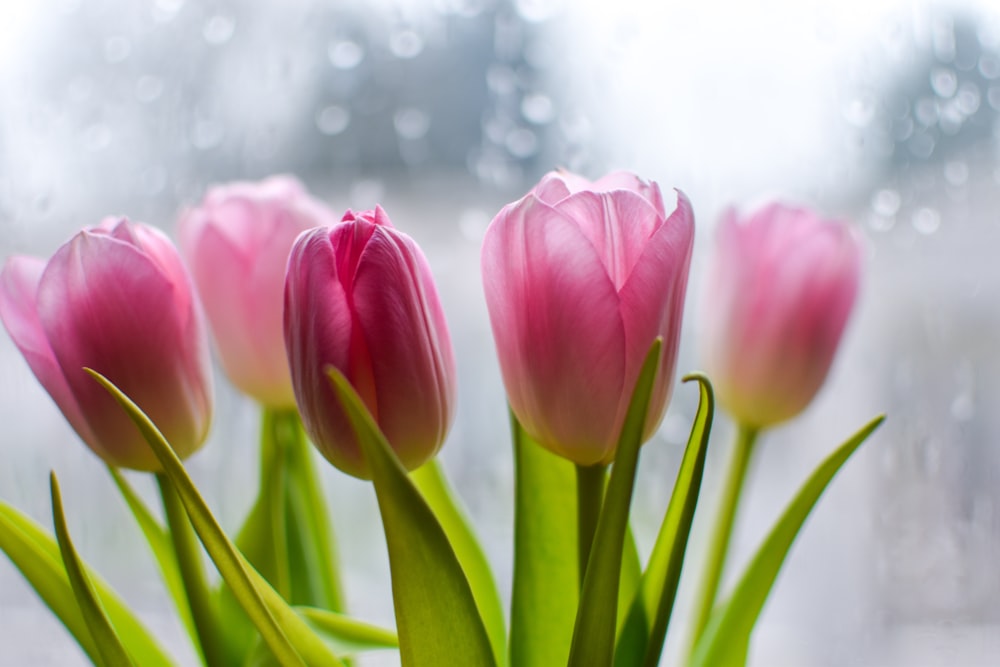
{"x":779,"y":294}
{"x":237,"y":244}
{"x":359,"y":297}
{"x":117,"y":299}
{"x":580,"y":279}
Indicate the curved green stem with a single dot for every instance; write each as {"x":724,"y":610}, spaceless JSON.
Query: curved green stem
{"x":589,"y":498}
{"x":189,"y":561}
{"x":718,"y":545}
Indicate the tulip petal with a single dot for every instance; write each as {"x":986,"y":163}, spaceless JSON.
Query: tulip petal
{"x":556,"y":312}
{"x":19,"y":312}
{"x":96,"y":284}
{"x":661,"y":269}
{"x":403,"y":324}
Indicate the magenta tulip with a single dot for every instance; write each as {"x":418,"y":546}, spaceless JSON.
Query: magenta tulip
{"x":580,"y":279}
{"x":359,"y":297}
{"x":237,"y":244}
{"x":117,"y":299}
{"x":781,"y":288}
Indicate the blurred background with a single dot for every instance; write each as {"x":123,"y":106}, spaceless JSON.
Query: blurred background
{"x":882,"y":112}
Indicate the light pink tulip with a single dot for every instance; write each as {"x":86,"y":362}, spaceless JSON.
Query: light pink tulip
{"x":580,"y":279}
{"x":359,"y":297}
{"x":117,"y":299}
{"x":237,"y":244}
{"x":779,"y":293}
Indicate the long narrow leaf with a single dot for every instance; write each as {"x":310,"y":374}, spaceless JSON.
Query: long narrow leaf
{"x":727,"y":636}
{"x":649,"y":616}
{"x":546,"y":586}
{"x":436,"y":614}
{"x":35,"y":553}
{"x":430,"y":481}
{"x":159,"y":543}
{"x":344,"y":635}
{"x":113,"y":654}
{"x":233,"y":568}
{"x":596,"y":619}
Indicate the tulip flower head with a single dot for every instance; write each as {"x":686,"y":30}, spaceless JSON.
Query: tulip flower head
{"x":237,"y":244}
{"x":780,"y":291}
{"x":359,"y":297}
{"x":117,"y":299}
{"x":580,"y":279}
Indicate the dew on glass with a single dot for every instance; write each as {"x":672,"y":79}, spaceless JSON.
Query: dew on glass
{"x":926,"y":220}
{"x":97,"y":137}
{"x":859,"y":111}
{"x":968,"y":98}
{"x":989,"y":66}
{"x":116,"y":49}
{"x":537,"y":108}
{"x":956,"y":172}
{"x":411,"y":123}
{"x":148,"y":88}
{"x":886,"y":202}
{"x":921,"y":145}
{"x":944,"y":81}
{"x":406,"y":44}
{"x":926,"y":111}
{"x":521,"y":142}
{"x":207,"y":134}
{"x":993,"y":96}
{"x":345,"y":54}
{"x":333,"y":119}
{"x":219,"y":29}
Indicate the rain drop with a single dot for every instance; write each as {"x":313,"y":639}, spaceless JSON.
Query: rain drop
{"x":537,"y":108}
{"x":886,"y":202}
{"x":956,"y":173}
{"x":944,"y":81}
{"x":333,"y":120}
{"x":218,"y":30}
{"x":345,"y":54}
{"x":501,"y":80}
{"x":406,"y":44}
{"x":989,"y":66}
{"x":926,"y":220}
{"x":411,"y":123}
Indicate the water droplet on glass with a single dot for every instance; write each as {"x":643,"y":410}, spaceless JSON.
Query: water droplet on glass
{"x":148,"y":88}
{"x":97,"y":137}
{"x":926,"y":220}
{"x":345,"y":54}
{"x":166,"y":10}
{"x":537,"y":108}
{"x":219,"y":29}
{"x":944,"y":81}
{"x":968,"y":98}
{"x":886,"y":202}
{"x":926,"y":111}
{"x":951,"y":119}
{"x":207,"y":134}
{"x":411,"y":123}
{"x":406,"y":44}
{"x":989,"y":66}
{"x":956,"y":172}
{"x":116,"y":49}
{"x":366,"y":193}
{"x":859,"y":111}
{"x":333,"y":119}
{"x":521,"y":142}
{"x":902,"y":128}
{"x":501,"y":80}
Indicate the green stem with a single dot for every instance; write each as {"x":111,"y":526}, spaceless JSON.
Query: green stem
{"x":718,"y":544}
{"x":273,"y":459}
{"x":189,"y":560}
{"x":589,"y":498}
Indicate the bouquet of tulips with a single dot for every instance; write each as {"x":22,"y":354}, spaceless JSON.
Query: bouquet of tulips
{"x":336,"y":329}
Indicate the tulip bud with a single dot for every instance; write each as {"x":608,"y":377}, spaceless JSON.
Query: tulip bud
{"x":359,"y":297}
{"x":116,"y":299}
{"x":237,"y":244}
{"x":580,"y":279}
{"x":780,"y":290}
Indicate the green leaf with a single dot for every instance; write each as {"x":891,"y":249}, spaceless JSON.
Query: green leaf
{"x":159,"y":543}
{"x":277,"y":623}
{"x":631,"y":577}
{"x":546,"y":585}
{"x":113,"y":654}
{"x":36,"y":554}
{"x":596,"y":618}
{"x":727,"y":637}
{"x":431,"y":482}
{"x":436,"y":614}
{"x":641,"y":640}
{"x":344,"y":635}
